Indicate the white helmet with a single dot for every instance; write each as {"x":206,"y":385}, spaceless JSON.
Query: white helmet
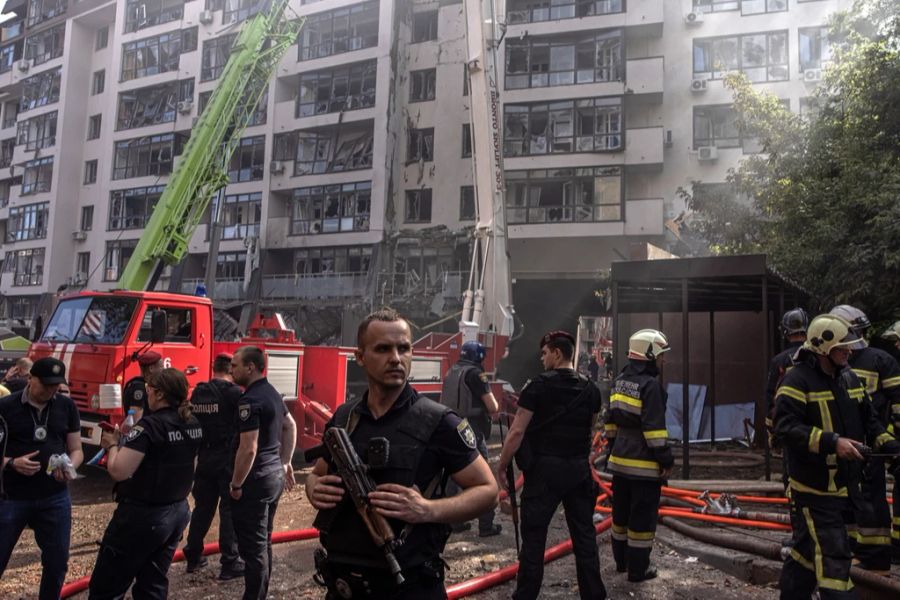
{"x":829,"y":331}
{"x":647,"y":344}
{"x":858,"y":320}
{"x":893,"y":332}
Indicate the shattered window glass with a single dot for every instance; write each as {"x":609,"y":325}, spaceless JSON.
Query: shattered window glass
{"x":152,"y":105}
{"x":564,"y":60}
{"x":418,"y":206}
{"x":340,"y":30}
{"x":564,"y":195}
{"x":154,"y":55}
{"x":37,"y":132}
{"x":40,"y":90}
{"x":132,"y":208}
{"x":421,"y":145}
{"x":331,"y":208}
{"x":591,"y":125}
{"x":344,"y":88}
{"x":215,"y":56}
{"x":46,"y":45}
{"x":248,"y":160}
{"x":422,"y":85}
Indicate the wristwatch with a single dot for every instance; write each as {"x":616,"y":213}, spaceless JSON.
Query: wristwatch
{"x":235,"y":488}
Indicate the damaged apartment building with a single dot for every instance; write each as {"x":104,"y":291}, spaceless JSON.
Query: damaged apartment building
{"x":352,"y":186}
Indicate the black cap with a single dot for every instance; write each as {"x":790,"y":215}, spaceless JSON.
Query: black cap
{"x":557,"y":334}
{"x":49,"y":370}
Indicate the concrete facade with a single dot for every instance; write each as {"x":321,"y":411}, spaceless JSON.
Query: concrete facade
{"x":358,"y":196}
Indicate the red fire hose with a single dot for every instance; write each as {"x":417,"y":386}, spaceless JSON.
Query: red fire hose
{"x":79,"y":585}
{"x":685,"y":514}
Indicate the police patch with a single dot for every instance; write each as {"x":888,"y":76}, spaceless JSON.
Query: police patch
{"x":133,"y":433}
{"x":244,"y":412}
{"x":466,"y":434}
{"x":139,"y":394}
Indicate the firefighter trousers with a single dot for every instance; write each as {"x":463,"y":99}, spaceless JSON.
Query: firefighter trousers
{"x":635,"y":503}
{"x":820,"y":554}
{"x":871,"y":541}
{"x":895,"y":527}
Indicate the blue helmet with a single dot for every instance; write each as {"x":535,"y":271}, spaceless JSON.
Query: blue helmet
{"x":473,"y":352}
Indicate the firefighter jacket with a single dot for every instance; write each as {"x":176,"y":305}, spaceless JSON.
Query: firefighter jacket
{"x":780,"y":364}
{"x":636,"y":426}
{"x":880,"y":373}
{"x":812,"y":410}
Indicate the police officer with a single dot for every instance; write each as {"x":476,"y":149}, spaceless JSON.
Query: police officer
{"x":552,"y":436}
{"x":134,"y":396}
{"x":16,"y":378}
{"x":262,"y":468}
{"x":466,"y":390}
{"x":822,"y":412}
{"x":426,"y":440}
{"x":36,"y":423}
{"x":154,"y":468}
{"x":881,"y":375}
{"x":893,"y":334}
{"x":215,"y":406}
{"x":639,"y":455}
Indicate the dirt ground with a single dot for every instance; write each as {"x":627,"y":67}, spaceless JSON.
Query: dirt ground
{"x":681,"y":576}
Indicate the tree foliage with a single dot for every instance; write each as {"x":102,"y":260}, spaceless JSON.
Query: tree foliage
{"x":825,"y":189}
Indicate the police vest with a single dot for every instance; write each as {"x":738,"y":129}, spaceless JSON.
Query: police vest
{"x":167,"y":472}
{"x":456,"y":394}
{"x":562,"y":423}
{"x":343,"y":533}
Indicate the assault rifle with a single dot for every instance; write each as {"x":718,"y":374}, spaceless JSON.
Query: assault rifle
{"x":354,"y":474}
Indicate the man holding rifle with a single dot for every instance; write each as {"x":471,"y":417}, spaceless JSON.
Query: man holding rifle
{"x":409,"y":444}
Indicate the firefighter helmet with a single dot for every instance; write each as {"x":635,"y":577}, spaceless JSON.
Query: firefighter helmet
{"x":858,"y":320}
{"x":473,"y":352}
{"x":893,"y":332}
{"x":647,"y":344}
{"x":829,"y":331}
{"x":794,"y":321}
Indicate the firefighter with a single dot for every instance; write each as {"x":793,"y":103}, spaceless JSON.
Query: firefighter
{"x":793,"y":327}
{"x":466,"y":390}
{"x":881,"y":375}
{"x":893,"y":334}
{"x":134,"y":396}
{"x":640,"y":457}
{"x":822,"y":413}
{"x":551,"y":440}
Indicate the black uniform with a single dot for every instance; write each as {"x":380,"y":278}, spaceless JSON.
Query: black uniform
{"x":215,"y":406}
{"x":427,"y":442}
{"x":639,"y":449}
{"x":152,"y":510}
{"x":780,"y":364}
{"x":16,"y":384}
{"x":813,"y":409}
{"x":261,"y":409}
{"x":872,"y":542}
{"x":464,"y":385}
{"x":39,"y":501}
{"x":135,"y":394}
{"x":554,"y":458}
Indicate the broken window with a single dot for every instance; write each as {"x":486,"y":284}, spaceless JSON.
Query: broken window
{"x":98,"y":82}
{"x":815,"y":47}
{"x":422,"y":85}
{"x":150,"y":155}
{"x":94,"y":124}
{"x":82,"y":265}
{"x":117,"y":254}
{"x":90,"y":171}
{"x":37,"y":132}
{"x":332,"y":208}
{"x":40,"y":90}
{"x":44,"y":10}
{"x":7,"y":148}
{"x":761,"y":56}
{"x":592,"y":125}
{"x":215,"y":56}
{"x":535,"y":11}
{"x":241,"y":215}
{"x":131,"y":208}
{"x":340,"y":30}
{"x":418,"y":206}
{"x":230,"y":265}
{"x":329,"y":151}
{"x":146,"y":13}
{"x":28,"y":222}
{"x":37,"y":176}
{"x":9,"y":55}
{"x":717,"y":5}
{"x":147,"y":106}
{"x":313,"y":152}
{"x":248,"y":160}
{"x":425,"y":26}
{"x":755,"y":7}
{"x":716,"y":126}
{"x":260,"y":112}
{"x":467,"y":203}
{"x":46,"y":45}
{"x":239,"y":10}
{"x":27,"y":266}
{"x":420,"y":145}
{"x":572,"y":59}
{"x":340,"y":259}
{"x":344,"y":88}
{"x":564,"y":195}
{"x":467,"y":140}
{"x":159,"y":54}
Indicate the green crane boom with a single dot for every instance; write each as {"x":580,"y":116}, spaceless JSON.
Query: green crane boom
{"x":199,"y":172}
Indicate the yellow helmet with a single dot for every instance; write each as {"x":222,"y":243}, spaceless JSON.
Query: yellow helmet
{"x":893,"y":332}
{"x":829,"y":331}
{"x":647,"y":344}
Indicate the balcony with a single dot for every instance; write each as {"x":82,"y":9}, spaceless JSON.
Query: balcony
{"x":644,"y":147}
{"x":315,"y":285}
{"x":582,"y":15}
{"x":645,"y":75}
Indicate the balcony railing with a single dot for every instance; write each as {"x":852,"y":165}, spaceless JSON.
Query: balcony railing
{"x":562,"y":10}
{"x":285,"y":287}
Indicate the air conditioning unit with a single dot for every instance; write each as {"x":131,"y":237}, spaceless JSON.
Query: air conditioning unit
{"x":24,"y":66}
{"x":185,"y":107}
{"x":812,"y":75}
{"x":699,"y":85}
{"x":667,"y":138}
{"x":276,"y":167}
{"x":707,"y":153}
{"x":206,"y":17}
{"x":79,"y":236}
{"x":693,"y":18}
